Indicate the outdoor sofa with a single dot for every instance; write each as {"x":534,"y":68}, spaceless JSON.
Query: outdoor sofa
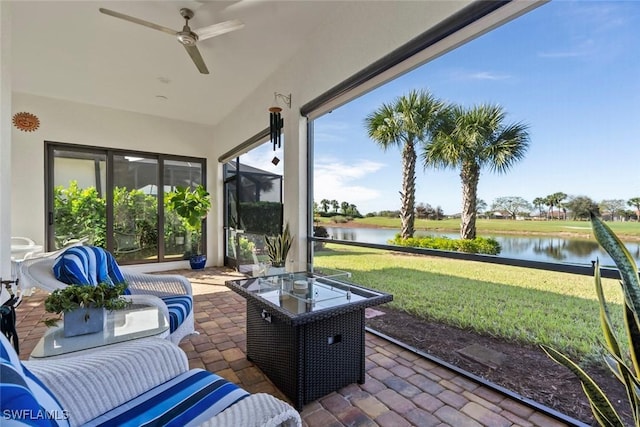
{"x":137,"y":383}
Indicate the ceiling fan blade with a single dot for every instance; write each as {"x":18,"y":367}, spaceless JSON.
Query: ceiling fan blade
{"x":218,"y":29}
{"x":194,"y":53}
{"x":138,"y":21}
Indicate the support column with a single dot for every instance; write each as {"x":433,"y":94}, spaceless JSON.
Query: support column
{"x":295,"y":184}
{"x":5,"y":144}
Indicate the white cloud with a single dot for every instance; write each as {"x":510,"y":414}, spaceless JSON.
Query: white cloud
{"x":560,"y":54}
{"x":261,"y":158}
{"x":335,"y":180}
{"x":479,"y":75}
{"x":487,"y":75}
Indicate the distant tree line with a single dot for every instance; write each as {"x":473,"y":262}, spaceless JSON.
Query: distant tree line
{"x":560,"y":206}
{"x":329,"y":208}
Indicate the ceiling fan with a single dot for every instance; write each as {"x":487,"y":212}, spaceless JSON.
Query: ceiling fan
{"x":187,"y":37}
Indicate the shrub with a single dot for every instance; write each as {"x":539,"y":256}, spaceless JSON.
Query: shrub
{"x":247,"y":248}
{"x":339,"y":219}
{"x":261,"y":217}
{"x":320,"y":231}
{"x":479,"y":245}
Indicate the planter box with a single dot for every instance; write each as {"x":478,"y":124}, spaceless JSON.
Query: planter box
{"x":83,"y":321}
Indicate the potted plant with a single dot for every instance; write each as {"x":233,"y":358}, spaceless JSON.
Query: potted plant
{"x":84,"y":306}
{"x":192,"y":205}
{"x":277,"y":249}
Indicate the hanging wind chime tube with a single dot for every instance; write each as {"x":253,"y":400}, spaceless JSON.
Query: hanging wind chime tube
{"x":276,"y":122}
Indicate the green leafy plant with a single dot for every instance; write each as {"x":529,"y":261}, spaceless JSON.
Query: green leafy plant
{"x":74,"y":297}
{"x":192,"y":205}
{"x":79,"y":212}
{"x":624,"y":365}
{"x":479,"y":245}
{"x":278,"y":247}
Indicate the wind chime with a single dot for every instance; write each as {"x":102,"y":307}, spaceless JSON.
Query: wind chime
{"x":276,"y":122}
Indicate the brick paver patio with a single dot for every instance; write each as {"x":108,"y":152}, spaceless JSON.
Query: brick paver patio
{"x":401,"y":389}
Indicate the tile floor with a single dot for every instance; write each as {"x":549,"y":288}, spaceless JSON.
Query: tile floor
{"x":401,"y":388}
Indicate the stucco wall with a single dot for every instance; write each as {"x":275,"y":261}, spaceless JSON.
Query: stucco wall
{"x":68,"y":122}
{"x":333,"y":54}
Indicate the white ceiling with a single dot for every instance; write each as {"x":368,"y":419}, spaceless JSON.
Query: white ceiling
{"x":69,"y":50}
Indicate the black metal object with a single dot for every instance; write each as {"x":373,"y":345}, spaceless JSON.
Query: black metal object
{"x":276,"y":123}
{"x":311,"y":354}
{"x":8,"y":315}
{"x":438,"y":32}
{"x":584,"y":270}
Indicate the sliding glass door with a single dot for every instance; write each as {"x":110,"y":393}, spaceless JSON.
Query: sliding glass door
{"x":115,"y":199}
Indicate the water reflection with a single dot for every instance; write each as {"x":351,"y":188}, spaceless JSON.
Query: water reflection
{"x":535,"y":248}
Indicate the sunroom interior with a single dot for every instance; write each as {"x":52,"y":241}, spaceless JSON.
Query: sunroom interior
{"x":97,"y":82}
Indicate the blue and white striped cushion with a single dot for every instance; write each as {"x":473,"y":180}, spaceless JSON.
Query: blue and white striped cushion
{"x":179,"y":308}
{"x":189,"y":399}
{"x":87,"y":265}
{"x":23,"y":398}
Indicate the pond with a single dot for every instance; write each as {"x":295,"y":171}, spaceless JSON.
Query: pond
{"x":533,"y":248}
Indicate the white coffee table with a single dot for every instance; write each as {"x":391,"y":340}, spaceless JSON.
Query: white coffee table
{"x":120,"y":325}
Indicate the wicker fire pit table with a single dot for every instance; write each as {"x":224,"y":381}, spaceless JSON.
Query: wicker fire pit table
{"x":305,"y":331}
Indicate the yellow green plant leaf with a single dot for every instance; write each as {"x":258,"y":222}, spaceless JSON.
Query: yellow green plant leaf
{"x":601,"y":405}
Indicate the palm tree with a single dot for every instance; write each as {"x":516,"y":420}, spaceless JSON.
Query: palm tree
{"x":325,"y":205}
{"x":538,"y":203}
{"x":635,"y":202}
{"x":407,"y":121}
{"x":550,"y":201}
{"x":344,"y":207}
{"x":470,"y":139}
{"x":335,"y":205}
{"x":558,"y":199}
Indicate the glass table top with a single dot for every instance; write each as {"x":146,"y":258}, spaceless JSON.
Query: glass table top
{"x":304,"y":292}
{"x":120,"y":325}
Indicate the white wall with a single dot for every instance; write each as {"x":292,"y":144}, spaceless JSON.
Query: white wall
{"x":5,"y":145}
{"x":333,"y":54}
{"x":68,"y":122}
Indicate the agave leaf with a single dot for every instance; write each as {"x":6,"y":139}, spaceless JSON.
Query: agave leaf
{"x":630,"y":282}
{"x":602,"y":408}
{"x":605,"y":320}
{"x":623,"y":259}
{"x":613,"y":364}
{"x":626,"y":377}
{"x":633,"y":332}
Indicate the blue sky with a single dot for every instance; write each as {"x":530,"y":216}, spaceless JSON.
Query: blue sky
{"x":570,"y":70}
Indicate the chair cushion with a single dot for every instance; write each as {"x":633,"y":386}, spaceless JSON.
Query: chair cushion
{"x":188,"y":399}
{"x":179,"y":308}
{"x":87,"y":265}
{"x":23,"y":397}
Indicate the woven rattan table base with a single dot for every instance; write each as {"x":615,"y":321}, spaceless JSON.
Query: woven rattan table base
{"x":311,"y":360}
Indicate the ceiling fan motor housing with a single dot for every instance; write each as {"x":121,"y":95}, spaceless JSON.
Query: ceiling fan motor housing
{"x":187,"y":37}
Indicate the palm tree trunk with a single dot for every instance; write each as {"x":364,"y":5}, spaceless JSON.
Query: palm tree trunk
{"x":408,"y":193}
{"x":470,"y":175}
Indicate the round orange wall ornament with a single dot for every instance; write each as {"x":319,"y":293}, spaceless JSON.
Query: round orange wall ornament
{"x":26,"y":122}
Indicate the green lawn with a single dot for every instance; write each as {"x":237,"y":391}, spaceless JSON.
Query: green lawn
{"x":524,"y":305}
{"x":488,"y":226}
